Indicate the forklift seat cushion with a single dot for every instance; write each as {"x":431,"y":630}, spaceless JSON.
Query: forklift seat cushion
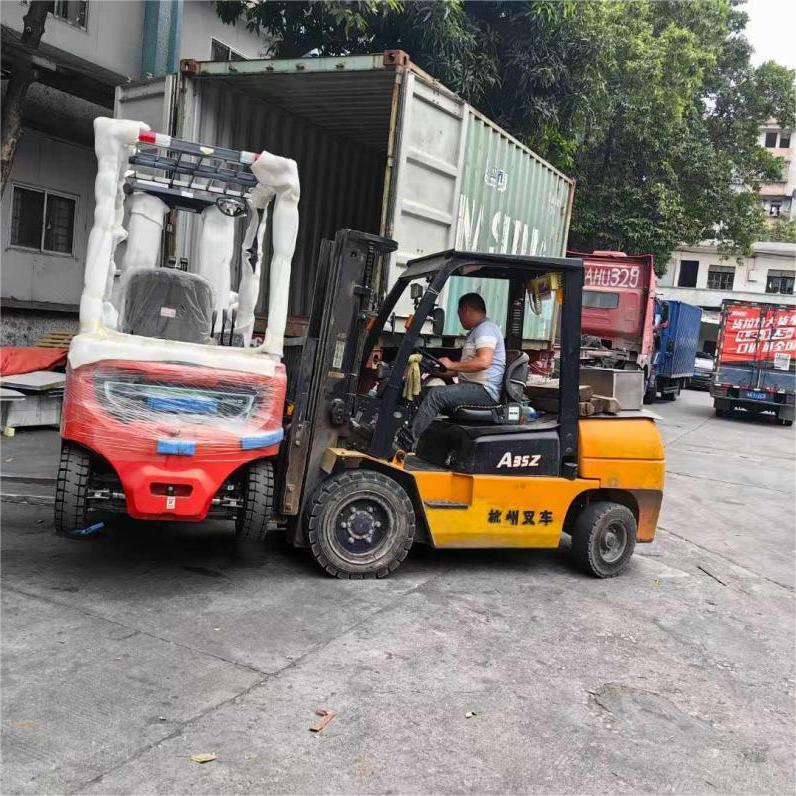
{"x":508,"y":411}
{"x":167,"y":304}
{"x":493,"y":450}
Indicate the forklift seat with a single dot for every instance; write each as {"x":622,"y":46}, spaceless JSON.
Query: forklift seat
{"x":168,"y":304}
{"x":513,"y":393}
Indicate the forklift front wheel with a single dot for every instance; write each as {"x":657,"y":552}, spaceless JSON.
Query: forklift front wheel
{"x":360,"y":524}
{"x":604,"y":538}
{"x":71,"y":490}
{"x":258,"y":498}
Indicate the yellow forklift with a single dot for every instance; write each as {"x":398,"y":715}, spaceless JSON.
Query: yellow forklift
{"x":480,"y":478}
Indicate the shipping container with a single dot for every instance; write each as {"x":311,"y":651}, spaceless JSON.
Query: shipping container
{"x":382,"y":147}
{"x":756,"y":359}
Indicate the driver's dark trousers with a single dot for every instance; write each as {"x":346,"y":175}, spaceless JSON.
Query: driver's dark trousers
{"x":440,"y":400}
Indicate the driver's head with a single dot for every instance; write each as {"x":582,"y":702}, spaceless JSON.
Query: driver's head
{"x":472,"y":310}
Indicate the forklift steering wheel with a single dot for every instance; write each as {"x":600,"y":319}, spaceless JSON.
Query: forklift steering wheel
{"x":430,"y":363}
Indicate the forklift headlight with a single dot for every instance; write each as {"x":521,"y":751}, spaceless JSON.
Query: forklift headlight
{"x":231,"y":206}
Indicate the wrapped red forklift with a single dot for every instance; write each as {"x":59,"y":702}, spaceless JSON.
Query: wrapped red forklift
{"x":169,"y":413}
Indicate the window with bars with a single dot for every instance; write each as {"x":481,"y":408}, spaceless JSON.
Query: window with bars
{"x":771,"y":140}
{"x":42,"y":220}
{"x":721,"y":277}
{"x":780,"y":282}
{"x":784,"y":140}
{"x":75,"y":12}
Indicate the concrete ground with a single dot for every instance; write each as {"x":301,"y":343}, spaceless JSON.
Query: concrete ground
{"x":493,"y":672}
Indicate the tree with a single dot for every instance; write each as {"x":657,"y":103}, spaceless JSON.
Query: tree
{"x":673,"y":156}
{"x":783,"y":230}
{"x":23,"y":74}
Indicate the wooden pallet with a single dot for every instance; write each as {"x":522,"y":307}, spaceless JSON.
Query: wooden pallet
{"x":56,"y":340}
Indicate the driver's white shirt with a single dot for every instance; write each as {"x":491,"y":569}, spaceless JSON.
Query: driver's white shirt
{"x":486,"y":335}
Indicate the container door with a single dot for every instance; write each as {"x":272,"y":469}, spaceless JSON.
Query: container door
{"x":776,"y":356}
{"x":151,"y":102}
{"x":428,"y":152}
{"x":741,"y":326}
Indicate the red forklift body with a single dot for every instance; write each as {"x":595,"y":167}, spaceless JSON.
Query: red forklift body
{"x":172,"y":434}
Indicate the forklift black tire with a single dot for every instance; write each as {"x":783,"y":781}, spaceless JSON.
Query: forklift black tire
{"x":783,"y":422}
{"x":71,"y":491}
{"x":603,"y":539}
{"x":360,"y":524}
{"x":258,"y":500}
{"x":650,"y":395}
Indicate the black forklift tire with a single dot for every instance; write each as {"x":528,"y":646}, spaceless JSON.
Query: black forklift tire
{"x":372,"y":501}
{"x":603,"y":539}
{"x":71,"y":491}
{"x":784,"y":422}
{"x":252,"y":519}
{"x":650,"y":395}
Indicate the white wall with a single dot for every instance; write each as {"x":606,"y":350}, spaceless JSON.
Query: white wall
{"x":200,"y":24}
{"x":44,"y":162}
{"x":750,"y":277}
{"x":112,"y":39}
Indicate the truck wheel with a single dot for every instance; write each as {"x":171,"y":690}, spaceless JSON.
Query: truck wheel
{"x":258,"y":500}
{"x":71,"y":490}
{"x":603,"y":539}
{"x":360,"y":524}
{"x":650,"y":394}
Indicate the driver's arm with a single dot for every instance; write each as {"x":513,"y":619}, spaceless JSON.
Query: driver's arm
{"x":481,"y":361}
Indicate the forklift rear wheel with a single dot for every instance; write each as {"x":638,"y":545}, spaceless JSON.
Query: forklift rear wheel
{"x":604,"y":538}
{"x":71,"y":490}
{"x":361,"y":524}
{"x":783,"y":422}
{"x":258,"y":499}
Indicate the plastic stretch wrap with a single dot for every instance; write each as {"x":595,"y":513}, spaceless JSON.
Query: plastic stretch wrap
{"x":169,"y":304}
{"x":173,"y":415}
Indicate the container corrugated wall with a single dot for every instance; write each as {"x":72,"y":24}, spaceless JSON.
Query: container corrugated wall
{"x":511,"y":202}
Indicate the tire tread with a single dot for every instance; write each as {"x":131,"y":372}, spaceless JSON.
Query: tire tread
{"x":258,"y":500}
{"x":71,"y":490}
{"x":324,"y":492}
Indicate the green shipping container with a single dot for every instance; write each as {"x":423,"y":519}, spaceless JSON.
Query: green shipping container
{"x":511,"y":202}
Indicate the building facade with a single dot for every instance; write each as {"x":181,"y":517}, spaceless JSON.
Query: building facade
{"x":777,"y":197}
{"x":698,"y":275}
{"x":88,"y":48}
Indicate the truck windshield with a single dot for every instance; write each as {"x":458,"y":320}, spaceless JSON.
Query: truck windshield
{"x":600,"y":299}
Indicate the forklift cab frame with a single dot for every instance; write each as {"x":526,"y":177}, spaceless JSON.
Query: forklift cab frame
{"x":436,"y":270}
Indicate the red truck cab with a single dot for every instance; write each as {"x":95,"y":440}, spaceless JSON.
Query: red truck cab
{"x":619,"y":303}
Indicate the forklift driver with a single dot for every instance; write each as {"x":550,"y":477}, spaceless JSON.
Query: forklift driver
{"x":479,"y":371}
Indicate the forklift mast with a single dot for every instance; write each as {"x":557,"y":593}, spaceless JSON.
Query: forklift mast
{"x":324,"y":392}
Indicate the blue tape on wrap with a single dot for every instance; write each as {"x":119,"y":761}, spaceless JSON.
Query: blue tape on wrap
{"x":262,"y":440}
{"x":179,"y":447}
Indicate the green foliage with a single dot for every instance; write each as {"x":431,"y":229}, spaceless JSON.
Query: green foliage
{"x":783,"y":229}
{"x":654,"y":107}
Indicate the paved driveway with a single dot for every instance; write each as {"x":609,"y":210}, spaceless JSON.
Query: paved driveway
{"x":464,"y":672}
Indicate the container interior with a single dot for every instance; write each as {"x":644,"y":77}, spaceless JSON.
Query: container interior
{"x":335,"y":126}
